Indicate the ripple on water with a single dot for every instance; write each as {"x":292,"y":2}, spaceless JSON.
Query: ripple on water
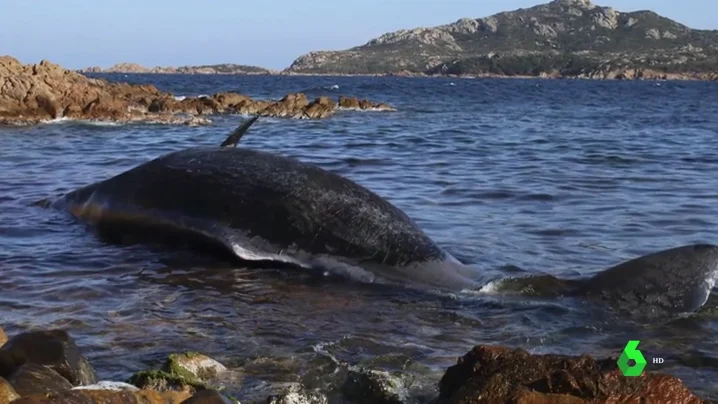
{"x":548,"y":177}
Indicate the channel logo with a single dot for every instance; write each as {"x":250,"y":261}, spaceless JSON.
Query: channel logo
{"x":631,"y":353}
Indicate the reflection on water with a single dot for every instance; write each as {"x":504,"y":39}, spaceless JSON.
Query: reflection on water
{"x":565,"y":178}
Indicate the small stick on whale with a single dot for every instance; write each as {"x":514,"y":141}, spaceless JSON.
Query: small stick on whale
{"x":234,"y":137}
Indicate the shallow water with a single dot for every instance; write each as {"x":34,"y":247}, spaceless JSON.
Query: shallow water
{"x":561,"y":177}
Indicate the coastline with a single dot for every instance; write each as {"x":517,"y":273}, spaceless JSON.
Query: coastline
{"x":614,"y":75}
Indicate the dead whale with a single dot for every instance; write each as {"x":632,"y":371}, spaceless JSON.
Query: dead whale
{"x":260,"y":206}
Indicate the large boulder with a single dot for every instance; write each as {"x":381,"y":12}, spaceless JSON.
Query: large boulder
{"x":494,"y":374}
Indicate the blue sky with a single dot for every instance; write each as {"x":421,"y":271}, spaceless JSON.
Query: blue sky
{"x":269,"y":33}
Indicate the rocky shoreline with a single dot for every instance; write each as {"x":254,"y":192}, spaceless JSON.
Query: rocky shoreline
{"x":31,"y":94}
{"x":47,"y":366}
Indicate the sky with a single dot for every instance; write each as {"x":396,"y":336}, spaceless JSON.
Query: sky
{"x":270,"y":33}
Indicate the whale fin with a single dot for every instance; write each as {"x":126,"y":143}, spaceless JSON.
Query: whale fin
{"x":234,"y":137}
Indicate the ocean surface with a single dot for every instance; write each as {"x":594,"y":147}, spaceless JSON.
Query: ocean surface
{"x":526,"y":176}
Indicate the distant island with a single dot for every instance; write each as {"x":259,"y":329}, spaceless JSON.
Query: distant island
{"x":564,"y":38}
{"x":225,"y":68}
{"x":560,"y":39}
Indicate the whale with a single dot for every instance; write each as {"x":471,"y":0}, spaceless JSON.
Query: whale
{"x":262,"y":207}
{"x":672,"y":281}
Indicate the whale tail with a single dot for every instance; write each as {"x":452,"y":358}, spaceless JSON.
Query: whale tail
{"x":235,"y":136}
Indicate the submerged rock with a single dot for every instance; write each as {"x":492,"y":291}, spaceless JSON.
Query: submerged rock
{"x":31,"y":378}
{"x":7,"y":392}
{"x":365,"y":386}
{"x":499,"y":374}
{"x":53,"y":348}
{"x":105,"y":397}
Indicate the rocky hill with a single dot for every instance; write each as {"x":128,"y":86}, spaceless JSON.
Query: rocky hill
{"x":561,"y":38}
{"x":225,"y":68}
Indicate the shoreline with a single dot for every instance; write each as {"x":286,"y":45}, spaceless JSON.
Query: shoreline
{"x":33,"y":94}
{"x":46,"y":365}
{"x":653,"y":76}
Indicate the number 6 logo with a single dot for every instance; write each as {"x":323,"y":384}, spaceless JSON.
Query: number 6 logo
{"x":631,"y":352}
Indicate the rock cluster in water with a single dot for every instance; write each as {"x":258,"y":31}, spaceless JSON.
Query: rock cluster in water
{"x":34,"y":93}
{"x":47,"y":366}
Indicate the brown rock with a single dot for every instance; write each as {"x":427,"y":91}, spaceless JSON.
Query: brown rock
{"x":31,"y":94}
{"x":54,"y":348}
{"x":322,"y":107}
{"x":498,"y":374}
{"x":7,"y":392}
{"x":353,"y":103}
{"x":104,"y":397}
{"x":38,"y":379}
{"x":3,"y":337}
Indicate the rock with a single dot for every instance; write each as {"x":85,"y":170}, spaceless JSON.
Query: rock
{"x":7,"y":392}
{"x":104,"y":397}
{"x":108,"y":385}
{"x":321,"y":107}
{"x":54,"y":348}
{"x":3,"y":337}
{"x":297,"y":394}
{"x":209,"y":397}
{"x":159,"y":380}
{"x":31,"y":378}
{"x":366,"y":386}
{"x":194,"y":365}
{"x":30,"y":94}
{"x":499,"y":374}
{"x":352,"y":103}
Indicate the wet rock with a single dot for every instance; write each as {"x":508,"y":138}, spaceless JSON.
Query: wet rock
{"x":365,"y":386}
{"x":297,"y":394}
{"x":160,"y":380}
{"x":108,"y":385}
{"x":322,"y":107}
{"x":7,"y":392}
{"x":187,"y":372}
{"x":3,"y":337}
{"x":353,"y":103}
{"x":209,"y":397}
{"x":54,"y":348}
{"x":499,"y":374}
{"x":194,"y":365}
{"x":31,"y":378}
{"x":104,"y":397}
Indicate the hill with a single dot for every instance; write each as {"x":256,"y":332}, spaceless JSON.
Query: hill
{"x":560,"y":38}
{"x":225,"y":68}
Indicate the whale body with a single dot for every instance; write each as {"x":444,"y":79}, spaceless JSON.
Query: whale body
{"x":262,"y":206}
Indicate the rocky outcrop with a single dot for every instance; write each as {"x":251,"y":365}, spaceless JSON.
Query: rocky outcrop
{"x":48,"y":368}
{"x":495,"y":374}
{"x":45,"y":91}
{"x":225,"y":68}
{"x":577,"y":32}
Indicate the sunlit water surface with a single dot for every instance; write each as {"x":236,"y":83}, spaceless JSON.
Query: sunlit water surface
{"x":562,"y":177}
